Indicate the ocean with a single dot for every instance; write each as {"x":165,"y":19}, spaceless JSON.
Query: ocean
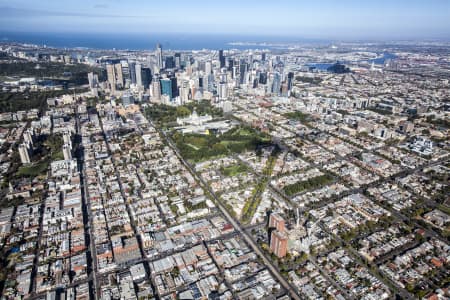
{"x":169,"y":41}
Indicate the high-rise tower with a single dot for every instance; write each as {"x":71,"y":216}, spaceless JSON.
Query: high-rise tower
{"x":221,"y":59}
{"x":159,"y":56}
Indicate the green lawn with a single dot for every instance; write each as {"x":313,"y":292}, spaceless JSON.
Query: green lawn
{"x":298,"y":115}
{"x":197,"y":147}
{"x":33,"y":170}
{"x":311,"y":183}
{"x":47,"y":149}
{"x":252,"y":204}
{"x":167,"y":115}
{"x":193,"y":147}
{"x":51,"y":70}
{"x":234,"y":170}
{"x":12,"y":102}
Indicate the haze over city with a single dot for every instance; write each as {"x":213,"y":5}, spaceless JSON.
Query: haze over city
{"x":347,"y":19}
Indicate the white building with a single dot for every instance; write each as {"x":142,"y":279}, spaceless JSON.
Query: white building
{"x":24,"y":153}
{"x":67,"y":152}
{"x":194,"y":119}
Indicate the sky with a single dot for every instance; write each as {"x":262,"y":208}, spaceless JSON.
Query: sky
{"x":330,"y":19}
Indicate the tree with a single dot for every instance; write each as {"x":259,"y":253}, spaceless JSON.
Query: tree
{"x":183,"y":111}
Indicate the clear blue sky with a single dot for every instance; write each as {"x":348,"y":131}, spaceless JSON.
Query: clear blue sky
{"x":338,"y":19}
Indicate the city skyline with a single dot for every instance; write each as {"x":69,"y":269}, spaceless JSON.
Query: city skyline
{"x":233,"y":150}
{"x":313,"y":19}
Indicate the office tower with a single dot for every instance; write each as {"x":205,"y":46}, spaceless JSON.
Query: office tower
{"x":277,"y":59}
{"x":28,"y":136}
{"x":209,"y":82}
{"x":93,"y":83}
{"x":170,"y":62}
{"x":174,"y":86}
{"x":242,"y":71}
{"x":223,"y":75}
{"x":263,"y":56}
{"x":290,"y":78}
{"x":278,"y":243}
{"x":132,"y":70}
{"x":250,"y":60}
{"x":146,"y":77}
{"x":166,"y":87}
{"x":206,"y":83}
{"x":159,"y":56}
{"x":156,"y":90}
{"x":119,"y":76}
{"x":235,"y":72}
{"x":93,"y":80}
{"x":275,"y":79}
{"x":138,"y":71}
{"x":115,"y":76}
{"x":221,"y":59}
{"x":230,"y":64}
{"x":126,"y":73}
{"x":200,"y":82}
{"x":184,"y":91}
{"x":67,"y":152}
{"x":269,"y":84}
{"x":111,"y":74}
{"x":178,"y":60}
{"x":208,"y":67}
{"x":24,"y":153}
{"x":277,"y":222}
{"x":263,"y":78}
{"x":254,"y":83}
{"x":222,"y":90}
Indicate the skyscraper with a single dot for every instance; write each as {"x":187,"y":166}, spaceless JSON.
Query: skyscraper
{"x":24,"y":153}
{"x":208,"y":67}
{"x":111,"y":74}
{"x":230,"y":64}
{"x":119,"y":75}
{"x":146,"y":77}
{"x":277,"y":222}
{"x":222,"y":90}
{"x":278,"y":243}
{"x":159,"y":56}
{"x":170,"y":62}
{"x":132,"y":69}
{"x":184,"y":91}
{"x":290,"y":78}
{"x":93,"y":80}
{"x":174,"y":85}
{"x":276,"y":83}
{"x":242,"y":71}
{"x":28,"y":136}
{"x":138,"y":74}
{"x":115,"y":76}
{"x":178,"y":60}
{"x":166,"y":87}
{"x":156,"y":90}
{"x":221,"y":59}
{"x":263,"y":78}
